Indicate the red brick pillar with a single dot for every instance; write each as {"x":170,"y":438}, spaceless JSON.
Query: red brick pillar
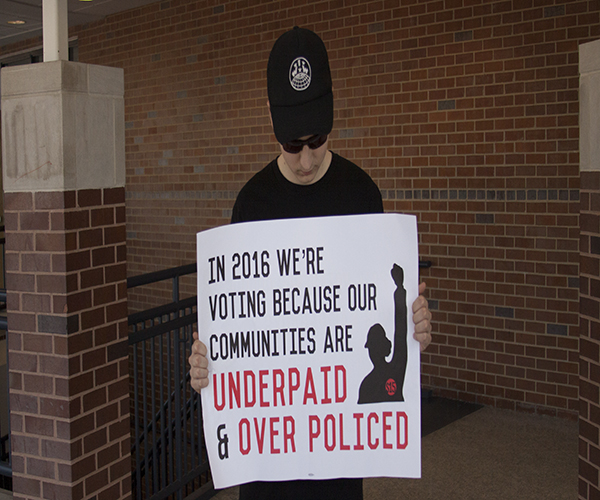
{"x":66,"y":281}
{"x":589,"y":301}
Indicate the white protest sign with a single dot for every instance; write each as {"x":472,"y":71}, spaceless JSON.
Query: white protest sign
{"x":313,"y":369}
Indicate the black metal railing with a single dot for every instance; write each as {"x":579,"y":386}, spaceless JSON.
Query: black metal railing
{"x":168,"y":454}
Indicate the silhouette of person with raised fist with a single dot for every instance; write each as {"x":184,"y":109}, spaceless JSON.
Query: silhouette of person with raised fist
{"x":386,"y":381}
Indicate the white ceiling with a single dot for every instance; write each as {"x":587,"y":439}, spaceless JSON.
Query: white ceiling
{"x":30,"y":11}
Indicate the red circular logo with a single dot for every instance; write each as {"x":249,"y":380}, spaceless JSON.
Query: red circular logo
{"x":390,"y":386}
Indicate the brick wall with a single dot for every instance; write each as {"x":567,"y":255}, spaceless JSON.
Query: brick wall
{"x":464,"y":112}
{"x":67,"y":321}
{"x":589,"y":427}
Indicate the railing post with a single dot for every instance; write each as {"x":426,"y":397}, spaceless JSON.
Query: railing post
{"x":176,"y":288}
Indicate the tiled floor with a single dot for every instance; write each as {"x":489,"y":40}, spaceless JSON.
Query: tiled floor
{"x":493,"y":455}
{"x":437,"y":413}
{"x":474,"y":453}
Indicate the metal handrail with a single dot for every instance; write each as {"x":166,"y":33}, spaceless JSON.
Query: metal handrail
{"x":156,"y":276}
{"x":160,"y":311}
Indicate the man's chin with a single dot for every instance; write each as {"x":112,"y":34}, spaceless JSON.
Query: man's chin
{"x":306,"y":177}
{"x":303,"y":180}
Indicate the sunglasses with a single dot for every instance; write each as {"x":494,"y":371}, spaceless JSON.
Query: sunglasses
{"x":314,"y":142}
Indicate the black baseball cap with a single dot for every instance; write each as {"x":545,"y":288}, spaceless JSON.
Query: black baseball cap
{"x":299,"y":86}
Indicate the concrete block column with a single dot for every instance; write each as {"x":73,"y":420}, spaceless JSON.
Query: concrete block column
{"x":64,"y":177}
{"x":589,"y":223}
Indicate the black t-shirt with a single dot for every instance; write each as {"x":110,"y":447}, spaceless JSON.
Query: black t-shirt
{"x":345,"y":189}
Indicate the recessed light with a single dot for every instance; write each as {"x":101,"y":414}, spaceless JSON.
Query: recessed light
{"x":16,"y":21}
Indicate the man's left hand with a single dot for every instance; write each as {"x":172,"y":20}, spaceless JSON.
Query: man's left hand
{"x":422,"y":319}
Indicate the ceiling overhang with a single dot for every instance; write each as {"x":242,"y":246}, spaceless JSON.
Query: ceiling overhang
{"x":30,"y":13}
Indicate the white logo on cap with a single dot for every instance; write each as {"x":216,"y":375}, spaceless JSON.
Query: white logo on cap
{"x":300,"y":74}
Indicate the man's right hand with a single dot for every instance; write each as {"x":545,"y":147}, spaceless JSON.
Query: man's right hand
{"x":198,"y":365}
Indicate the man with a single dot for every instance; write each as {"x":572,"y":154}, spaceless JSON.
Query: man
{"x":306,"y":180}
